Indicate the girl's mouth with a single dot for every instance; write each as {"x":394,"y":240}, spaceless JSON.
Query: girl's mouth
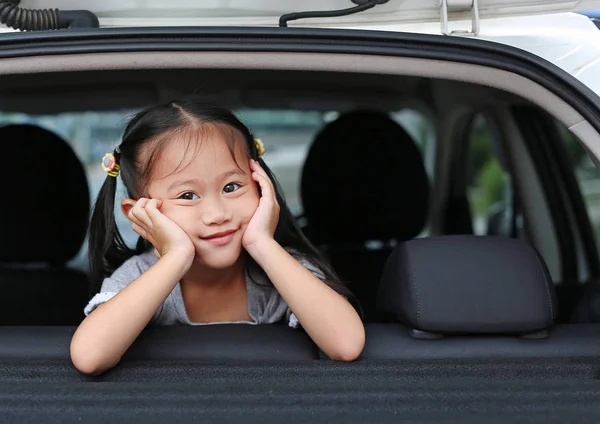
{"x":220,"y":238}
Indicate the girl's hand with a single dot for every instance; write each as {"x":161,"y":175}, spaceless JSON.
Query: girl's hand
{"x":264,"y":221}
{"x":152,"y":225}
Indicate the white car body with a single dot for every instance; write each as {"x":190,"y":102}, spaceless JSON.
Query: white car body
{"x":546,"y":28}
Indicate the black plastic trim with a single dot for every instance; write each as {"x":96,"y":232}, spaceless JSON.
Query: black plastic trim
{"x":455,"y":49}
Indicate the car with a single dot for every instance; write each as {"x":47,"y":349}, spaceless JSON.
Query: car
{"x":466,"y":215}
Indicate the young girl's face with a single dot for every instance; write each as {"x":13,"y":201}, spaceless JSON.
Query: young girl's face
{"x":209,"y":193}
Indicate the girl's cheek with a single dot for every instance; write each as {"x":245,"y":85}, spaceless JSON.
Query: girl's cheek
{"x":173,"y":212}
{"x":252,"y":200}
{"x":166,"y":208}
{"x":246,"y":208}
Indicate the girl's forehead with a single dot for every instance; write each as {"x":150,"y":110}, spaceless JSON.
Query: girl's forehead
{"x":202,"y":153}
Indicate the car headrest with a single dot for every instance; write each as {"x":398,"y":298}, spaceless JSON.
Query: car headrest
{"x":44,"y":215}
{"x":364,"y":179}
{"x":468,"y":284}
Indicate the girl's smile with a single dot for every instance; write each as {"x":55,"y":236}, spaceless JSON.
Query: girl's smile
{"x":221,"y":238}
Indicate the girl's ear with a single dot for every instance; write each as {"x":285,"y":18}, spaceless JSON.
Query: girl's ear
{"x":126,"y":206}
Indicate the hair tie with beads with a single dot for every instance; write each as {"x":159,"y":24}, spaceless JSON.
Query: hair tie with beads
{"x":260,"y":147}
{"x":110,"y":165}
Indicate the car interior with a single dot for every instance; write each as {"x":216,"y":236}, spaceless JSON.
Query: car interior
{"x":456,"y":201}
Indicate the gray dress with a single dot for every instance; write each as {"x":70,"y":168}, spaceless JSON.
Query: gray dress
{"x":265,"y":305}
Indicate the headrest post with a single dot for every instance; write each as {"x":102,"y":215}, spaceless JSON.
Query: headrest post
{"x":536,"y":335}
{"x":424,"y":335}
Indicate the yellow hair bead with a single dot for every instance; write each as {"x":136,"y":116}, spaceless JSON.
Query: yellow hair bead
{"x":260,"y":147}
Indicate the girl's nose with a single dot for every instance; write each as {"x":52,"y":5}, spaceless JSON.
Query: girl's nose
{"x":215,"y":212}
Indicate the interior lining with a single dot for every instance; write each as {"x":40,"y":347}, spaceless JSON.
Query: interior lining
{"x":534,"y":204}
{"x":347,"y":63}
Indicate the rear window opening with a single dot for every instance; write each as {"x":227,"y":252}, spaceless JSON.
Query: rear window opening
{"x":465,"y":153}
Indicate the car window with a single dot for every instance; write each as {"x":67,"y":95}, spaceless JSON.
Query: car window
{"x":586,"y":174}
{"x":422,"y":130}
{"x":489,"y":185}
{"x":286,"y":134}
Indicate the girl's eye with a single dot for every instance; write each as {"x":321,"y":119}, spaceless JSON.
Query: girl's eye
{"x":231,"y":187}
{"x":189,"y":196}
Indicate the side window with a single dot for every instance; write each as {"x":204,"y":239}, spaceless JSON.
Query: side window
{"x":287,"y":135}
{"x":488,"y":183}
{"x":587,"y":175}
{"x":422,"y":131}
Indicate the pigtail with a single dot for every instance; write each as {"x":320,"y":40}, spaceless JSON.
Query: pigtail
{"x":107,"y":249}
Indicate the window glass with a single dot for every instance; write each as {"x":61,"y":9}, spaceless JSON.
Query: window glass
{"x":587,"y":175}
{"x":422,"y":131}
{"x":287,"y":136}
{"x":489,"y":188}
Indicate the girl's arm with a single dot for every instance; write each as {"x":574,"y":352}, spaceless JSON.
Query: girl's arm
{"x":326,"y":316}
{"x":106,"y":334}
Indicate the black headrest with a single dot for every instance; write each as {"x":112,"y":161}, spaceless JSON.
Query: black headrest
{"x":468,"y":284}
{"x":364,"y":179}
{"x":44,"y":215}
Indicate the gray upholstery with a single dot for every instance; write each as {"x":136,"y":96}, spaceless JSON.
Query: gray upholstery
{"x":468,"y":284}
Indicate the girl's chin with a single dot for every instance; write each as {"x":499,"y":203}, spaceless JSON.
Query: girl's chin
{"x":223,"y":259}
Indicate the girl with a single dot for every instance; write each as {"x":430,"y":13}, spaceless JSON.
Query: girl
{"x":217,"y":242}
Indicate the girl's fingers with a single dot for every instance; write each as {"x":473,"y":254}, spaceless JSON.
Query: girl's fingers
{"x":141,"y":202}
{"x":140,"y":231}
{"x":151,"y":209}
{"x":266,"y":185}
{"x":257,"y":168}
{"x":138,"y":212}
{"x":132,"y":218}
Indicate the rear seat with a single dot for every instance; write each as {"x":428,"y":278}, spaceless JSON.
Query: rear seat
{"x":43,"y":223}
{"x":469,"y":297}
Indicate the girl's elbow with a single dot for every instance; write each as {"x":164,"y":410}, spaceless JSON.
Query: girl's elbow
{"x":349,"y":349}
{"x":345,"y":355}
{"x":86,"y":365}
{"x":87,"y":362}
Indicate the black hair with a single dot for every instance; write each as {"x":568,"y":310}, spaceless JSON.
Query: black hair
{"x":107,"y":248}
